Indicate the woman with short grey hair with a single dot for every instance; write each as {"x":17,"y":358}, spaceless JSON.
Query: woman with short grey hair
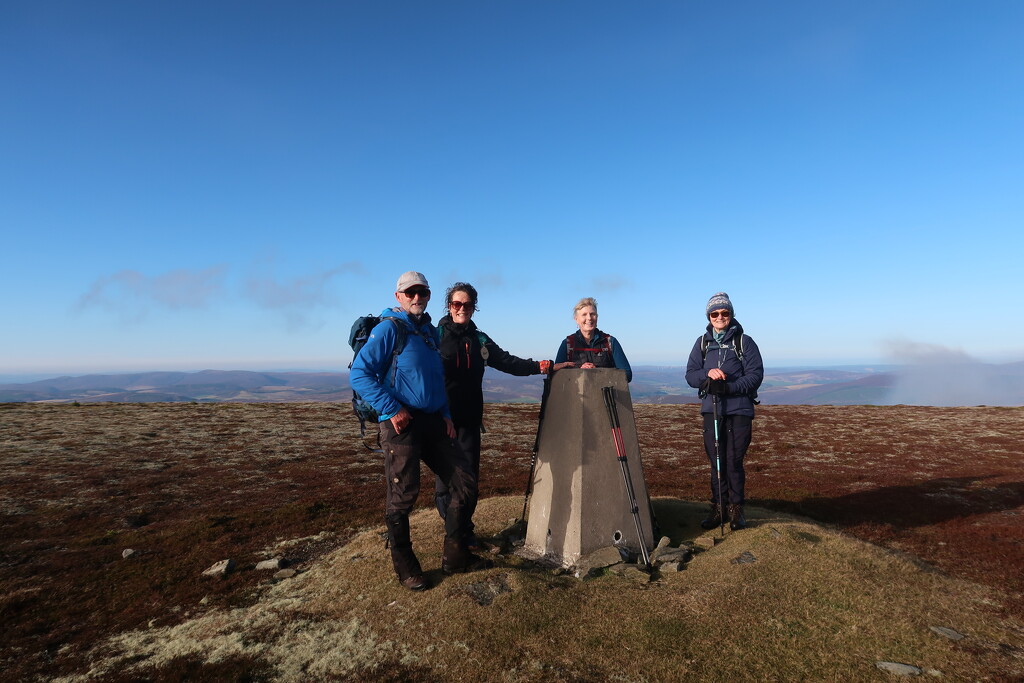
{"x":589,"y":347}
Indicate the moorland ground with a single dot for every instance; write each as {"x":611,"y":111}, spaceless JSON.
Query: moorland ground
{"x":189,"y":484}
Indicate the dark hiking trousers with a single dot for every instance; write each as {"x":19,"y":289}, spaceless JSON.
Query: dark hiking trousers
{"x":734,"y":433}
{"x":468,"y":441}
{"x":424,"y":439}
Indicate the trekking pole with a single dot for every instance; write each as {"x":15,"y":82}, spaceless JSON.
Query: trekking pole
{"x":718,"y":467}
{"x":620,"y":452}
{"x":536,"y":444}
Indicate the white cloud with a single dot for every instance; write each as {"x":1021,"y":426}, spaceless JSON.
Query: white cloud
{"x":296,"y":297}
{"x":133,"y":294}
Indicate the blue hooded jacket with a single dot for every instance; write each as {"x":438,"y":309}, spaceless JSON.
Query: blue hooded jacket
{"x":416,"y":381}
{"x":742,"y":378}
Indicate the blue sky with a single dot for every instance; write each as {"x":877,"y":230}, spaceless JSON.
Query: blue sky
{"x":196,"y":185}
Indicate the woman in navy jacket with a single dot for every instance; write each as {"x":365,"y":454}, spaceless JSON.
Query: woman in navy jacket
{"x":728,"y":364}
{"x":589,"y":347}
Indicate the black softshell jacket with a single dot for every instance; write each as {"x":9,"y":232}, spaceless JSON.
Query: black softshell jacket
{"x":464,"y":362}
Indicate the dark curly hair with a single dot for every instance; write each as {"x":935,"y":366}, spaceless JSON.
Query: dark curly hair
{"x":469,"y":289}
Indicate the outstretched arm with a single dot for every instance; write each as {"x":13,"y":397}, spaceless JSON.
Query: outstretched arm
{"x":500,"y":359}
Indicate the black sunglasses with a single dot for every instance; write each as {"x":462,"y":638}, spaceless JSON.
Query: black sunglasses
{"x":720,"y":314}
{"x":459,"y":305}
{"x":414,"y":292}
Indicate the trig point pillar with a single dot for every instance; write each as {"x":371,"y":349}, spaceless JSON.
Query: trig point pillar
{"x":579,"y":501}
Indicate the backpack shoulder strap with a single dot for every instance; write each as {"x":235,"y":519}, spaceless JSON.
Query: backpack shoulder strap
{"x":570,"y":347}
{"x":401,"y":335}
{"x":737,"y":346}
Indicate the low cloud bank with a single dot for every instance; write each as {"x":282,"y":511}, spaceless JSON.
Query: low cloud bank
{"x":934,"y":375}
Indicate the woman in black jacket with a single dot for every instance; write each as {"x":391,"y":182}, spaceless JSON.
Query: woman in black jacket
{"x":466,"y":351}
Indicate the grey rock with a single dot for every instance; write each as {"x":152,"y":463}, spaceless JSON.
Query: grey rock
{"x":617,"y":569}
{"x":285,"y":574}
{"x":663,"y":542}
{"x":671,"y":567}
{"x":126,"y":553}
{"x":705,"y":542}
{"x":746,"y":557}
{"x":598,"y":560}
{"x":221,"y":568}
{"x":947,"y":632}
{"x":899,"y":669}
{"x":671,"y":555}
{"x":275,"y":563}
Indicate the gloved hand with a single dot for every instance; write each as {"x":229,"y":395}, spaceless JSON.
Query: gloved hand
{"x":712,"y":386}
{"x":547,"y":367}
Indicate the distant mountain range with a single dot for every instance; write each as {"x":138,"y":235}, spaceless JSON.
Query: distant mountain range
{"x":975,"y":384}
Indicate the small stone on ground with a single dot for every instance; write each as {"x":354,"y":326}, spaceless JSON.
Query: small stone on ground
{"x":746,"y":557}
{"x":220,"y":569}
{"x":899,"y":669}
{"x":948,"y":632}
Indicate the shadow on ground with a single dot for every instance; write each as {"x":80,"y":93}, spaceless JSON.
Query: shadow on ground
{"x":908,"y":506}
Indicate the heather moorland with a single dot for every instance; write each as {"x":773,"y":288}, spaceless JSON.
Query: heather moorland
{"x":870,"y":525}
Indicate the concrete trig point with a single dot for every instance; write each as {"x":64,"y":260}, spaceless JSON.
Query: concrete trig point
{"x":579,"y":502}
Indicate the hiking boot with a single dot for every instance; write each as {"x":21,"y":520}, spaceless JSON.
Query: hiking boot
{"x":471,"y":542}
{"x":714,"y":519}
{"x":415,"y":583}
{"x":456,"y":559}
{"x":737,"y":520}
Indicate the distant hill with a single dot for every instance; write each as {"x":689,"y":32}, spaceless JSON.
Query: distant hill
{"x":963,"y":384}
{"x":207,"y":385}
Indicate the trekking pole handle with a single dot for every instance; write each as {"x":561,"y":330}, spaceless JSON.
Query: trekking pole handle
{"x":609,"y":402}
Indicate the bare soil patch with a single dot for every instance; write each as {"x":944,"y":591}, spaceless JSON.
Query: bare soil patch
{"x":186,"y":485}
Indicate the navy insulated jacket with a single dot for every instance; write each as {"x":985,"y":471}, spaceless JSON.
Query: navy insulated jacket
{"x":742,"y":378}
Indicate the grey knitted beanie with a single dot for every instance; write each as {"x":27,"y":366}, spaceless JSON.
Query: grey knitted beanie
{"x":717,"y":302}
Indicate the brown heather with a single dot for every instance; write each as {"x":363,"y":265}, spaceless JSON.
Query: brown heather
{"x":870,"y":524}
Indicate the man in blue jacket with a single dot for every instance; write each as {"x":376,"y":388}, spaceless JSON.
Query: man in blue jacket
{"x":407,"y":390}
{"x":730,"y":363}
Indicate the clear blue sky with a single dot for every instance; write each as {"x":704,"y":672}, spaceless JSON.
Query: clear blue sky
{"x":198,"y":185}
